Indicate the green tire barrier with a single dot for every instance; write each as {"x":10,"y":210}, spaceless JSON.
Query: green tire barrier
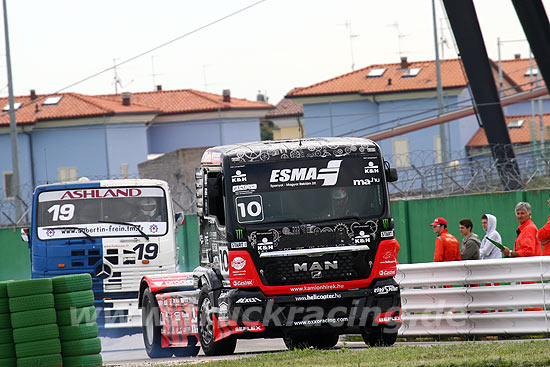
{"x":64,"y":301}
{"x":49,"y":360}
{"x":8,"y":362}
{"x":4,"y":305}
{"x":75,"y":316}
{"x":38,"y":348}
{"x":20,"y":288}
{"x":29,"y":303}
{"x":81,"y":347}
{"x":6,"y":336}
{"x":35,"y":333}
{"x":33,"y":318}
{"x":83,"y":361}
{"x":5,"y":322}
{"x":4,"y":289}
{"x":82,"y":331}
{"x":72,"y":283}
{"x":7,"y":350}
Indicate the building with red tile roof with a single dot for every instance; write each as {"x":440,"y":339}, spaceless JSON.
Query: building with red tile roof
{"x":287,"y":118}
{"x":70,"y":135}
{"x":385,"y":96}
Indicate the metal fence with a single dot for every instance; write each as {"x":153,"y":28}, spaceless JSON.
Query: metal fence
{"x":477,"y":172}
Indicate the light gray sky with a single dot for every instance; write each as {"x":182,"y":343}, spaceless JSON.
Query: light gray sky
{"x":272,"y":47}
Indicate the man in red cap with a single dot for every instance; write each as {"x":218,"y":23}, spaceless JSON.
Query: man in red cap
{"x":447,"y":247}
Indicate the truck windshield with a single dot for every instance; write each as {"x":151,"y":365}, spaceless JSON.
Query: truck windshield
{"x":308,"y":190}
{"x":101,"y":212}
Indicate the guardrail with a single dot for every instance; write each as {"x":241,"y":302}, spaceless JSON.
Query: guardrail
{"x":476,"y":297}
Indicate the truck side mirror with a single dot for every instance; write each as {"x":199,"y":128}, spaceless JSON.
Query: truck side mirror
{"x":25,"y":234}
{"x":391,"y":174}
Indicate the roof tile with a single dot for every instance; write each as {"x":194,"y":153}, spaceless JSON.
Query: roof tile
{"x":517,"y":135}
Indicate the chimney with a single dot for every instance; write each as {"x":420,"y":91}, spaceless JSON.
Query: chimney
{"x":404,"y":63}
{"x":159,"y":87}
{"x":126,"y":98}
{"x":226,"y":95}
{"x":260,"y":97}
{"x":389,"y":81}
{"x":33,"y":94}
{"x":517,"y":56}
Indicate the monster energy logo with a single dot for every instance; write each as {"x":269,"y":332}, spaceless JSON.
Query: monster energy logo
{"x":386,"y":223}
{"x":239,"y":234}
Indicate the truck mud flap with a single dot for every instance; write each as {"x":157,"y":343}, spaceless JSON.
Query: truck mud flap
{"x":179,"y":312}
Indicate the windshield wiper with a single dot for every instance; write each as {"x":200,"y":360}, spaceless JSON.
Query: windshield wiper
{"x":81,"y":230}
{"x":126,"y":224}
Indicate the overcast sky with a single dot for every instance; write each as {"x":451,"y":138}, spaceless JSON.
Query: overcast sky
{"x":271,"y":47}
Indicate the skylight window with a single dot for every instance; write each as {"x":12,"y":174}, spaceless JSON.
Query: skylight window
{"x":51,"y":100}
{"x":376,"y":72}
{"x":515,"y":124}
{"x":16,"y":105}
{"x":411,"y":73}
{"x":531,"y":71}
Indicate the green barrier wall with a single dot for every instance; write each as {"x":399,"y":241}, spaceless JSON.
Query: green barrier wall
{"x":15,"y":262}
{"x":413,"y":218}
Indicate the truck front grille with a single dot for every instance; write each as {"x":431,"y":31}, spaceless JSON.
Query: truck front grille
{"x":303,"y":269}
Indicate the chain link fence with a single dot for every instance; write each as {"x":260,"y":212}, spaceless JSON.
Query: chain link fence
{"x":476,"y":172}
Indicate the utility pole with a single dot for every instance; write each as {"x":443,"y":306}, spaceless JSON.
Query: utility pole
{"x":442,"y":134}
{"x":13,"y":122}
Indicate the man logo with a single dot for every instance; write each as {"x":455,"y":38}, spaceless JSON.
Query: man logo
{"x":239,"y":234}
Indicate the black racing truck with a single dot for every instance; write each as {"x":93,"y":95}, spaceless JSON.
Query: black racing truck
{"x":296,"y":241}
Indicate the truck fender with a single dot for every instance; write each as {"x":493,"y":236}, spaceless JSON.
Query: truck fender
{"x":206,"y":276}
{"x":165,"y":283}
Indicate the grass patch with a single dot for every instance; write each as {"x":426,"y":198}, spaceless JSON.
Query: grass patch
{"x":487,"y":354}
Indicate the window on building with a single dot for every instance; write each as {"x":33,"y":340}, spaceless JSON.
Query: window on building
{"x":9,"y":192}
{"x":51,"y":100}
{"x":376,"y":72}
{"x":16,"y":105}
{"x":401,"y":154}
{"x":124,"y":170}
{"x":438,"y":156}
{"x":411,"y":73}
{"x":515,"y":124}
{"x":531,"y":71}
{"x":65,"y":174}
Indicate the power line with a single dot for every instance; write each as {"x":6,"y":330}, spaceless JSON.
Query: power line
{"x":149,"y":51}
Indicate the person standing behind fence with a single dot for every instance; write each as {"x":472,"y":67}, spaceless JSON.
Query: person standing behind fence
{"x":487,"y":250}
{"x":526,"y":242}
{"x":470,"y":242}
{"x":446,"y":245}
{"x":544,"y":235}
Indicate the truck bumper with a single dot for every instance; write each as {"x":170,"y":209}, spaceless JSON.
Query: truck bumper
{"x":337,"y":311}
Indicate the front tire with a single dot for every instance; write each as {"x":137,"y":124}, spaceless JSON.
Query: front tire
{"x":206,"y":328}
{"x":150,"y":325}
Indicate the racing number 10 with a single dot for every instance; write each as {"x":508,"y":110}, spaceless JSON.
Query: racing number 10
{"x":249,"y":209}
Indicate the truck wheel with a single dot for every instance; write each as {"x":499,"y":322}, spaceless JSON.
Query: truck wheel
{"x":378,"y":336}
{"x":150,"y":325}
{"x":206,"y":328}
{"x":297,"y":342}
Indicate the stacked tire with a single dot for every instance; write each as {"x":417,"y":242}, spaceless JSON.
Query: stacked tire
{"x":33,"y":318}
{"x":74,"y":302}
{"x":7,"y":347}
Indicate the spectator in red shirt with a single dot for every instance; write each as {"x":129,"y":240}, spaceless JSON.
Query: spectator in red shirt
{"x":544,"y":235}
{"x":527,"y":243}
{"x":447,"y":247}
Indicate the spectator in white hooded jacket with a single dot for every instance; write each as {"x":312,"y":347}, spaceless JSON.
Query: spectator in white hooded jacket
{"x":487,"y":250}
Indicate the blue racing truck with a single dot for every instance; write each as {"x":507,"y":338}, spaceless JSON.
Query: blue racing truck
{"x":115,"y":230}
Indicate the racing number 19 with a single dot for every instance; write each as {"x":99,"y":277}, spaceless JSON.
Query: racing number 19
{"x":151,"y":251}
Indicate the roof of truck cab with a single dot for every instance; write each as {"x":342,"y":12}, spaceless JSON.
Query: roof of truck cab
{"x":271,"y":150}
